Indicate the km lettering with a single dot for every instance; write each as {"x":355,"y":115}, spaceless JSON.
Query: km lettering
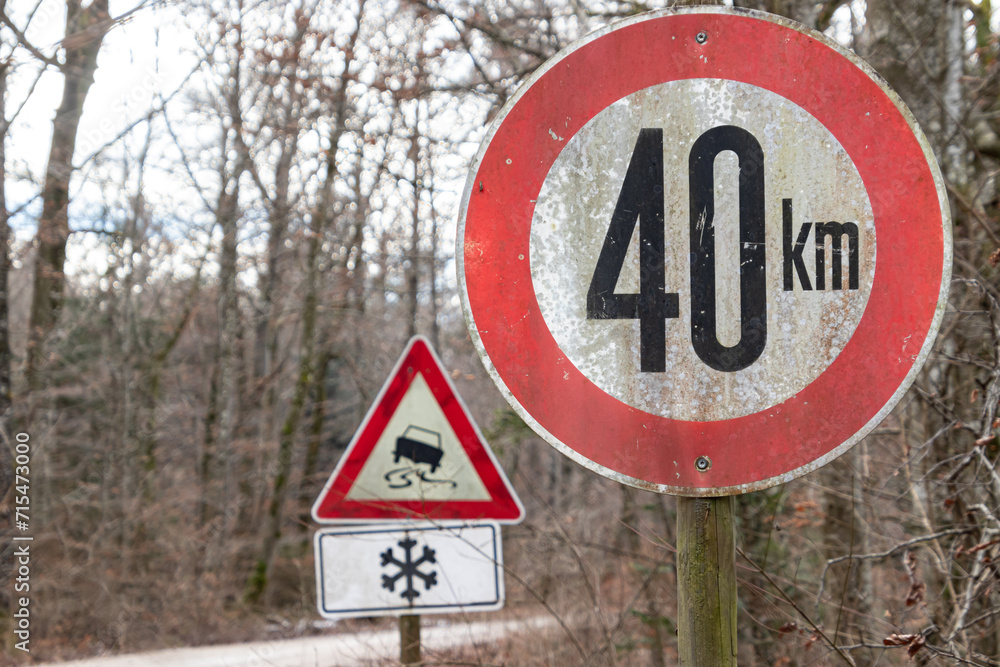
{"x":792,"y":252}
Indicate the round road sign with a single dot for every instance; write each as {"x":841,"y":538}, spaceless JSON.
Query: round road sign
{"x":704,"y":251}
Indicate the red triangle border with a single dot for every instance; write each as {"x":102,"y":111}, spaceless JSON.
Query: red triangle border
{"x":332,"y":505}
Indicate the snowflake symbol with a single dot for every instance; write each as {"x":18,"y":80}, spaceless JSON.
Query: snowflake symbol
{"x":408,"y":568}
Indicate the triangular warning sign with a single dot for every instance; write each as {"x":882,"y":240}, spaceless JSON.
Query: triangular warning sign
{"x":418,"y":455}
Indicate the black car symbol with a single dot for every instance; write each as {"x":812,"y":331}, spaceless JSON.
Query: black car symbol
{"x":420,"y":445}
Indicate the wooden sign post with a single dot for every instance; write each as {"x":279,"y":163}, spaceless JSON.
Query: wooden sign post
{"x":409,"y":640}
{"x":706,"y":582}
{"x":706,"y":569}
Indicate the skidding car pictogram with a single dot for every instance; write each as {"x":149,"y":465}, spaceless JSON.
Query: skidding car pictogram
{"x":425,"y":450}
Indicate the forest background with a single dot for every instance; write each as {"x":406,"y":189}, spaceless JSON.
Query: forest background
{"x":242,"y":210}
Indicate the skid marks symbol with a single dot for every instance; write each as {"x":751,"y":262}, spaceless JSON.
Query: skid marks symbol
{"x":400,"y":478}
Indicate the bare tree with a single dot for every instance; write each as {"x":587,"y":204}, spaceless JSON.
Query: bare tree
{"x":5,"y":354}
{"x":321,"y":220}
{"x":86,"y":27}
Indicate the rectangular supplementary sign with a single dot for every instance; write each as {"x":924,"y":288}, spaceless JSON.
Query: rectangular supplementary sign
{"x":421,"y":569}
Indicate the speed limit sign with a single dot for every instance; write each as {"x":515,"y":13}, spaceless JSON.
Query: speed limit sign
{"x":704,"y":251}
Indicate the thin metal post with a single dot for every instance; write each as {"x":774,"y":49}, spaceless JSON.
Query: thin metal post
{"x":409,"y":640}
{"x":706,"y":582}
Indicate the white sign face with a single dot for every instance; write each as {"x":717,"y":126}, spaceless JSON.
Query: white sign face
{"x":430,"y":569}
{"x":388,"y":474}
{"x":806,"y":330}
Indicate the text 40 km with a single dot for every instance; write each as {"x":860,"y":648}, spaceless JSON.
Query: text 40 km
{"x":642,"y":198}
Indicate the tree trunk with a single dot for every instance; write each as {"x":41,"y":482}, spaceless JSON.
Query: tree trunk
{"x":628,"y":521}
{"x":435,"y":268}
{"x":807,"y":12}
{"x":266,"y":338}
{"x":918,"y":48}
{"x":207,"y":455}
{"x":138,"y":422}
{"x":85,"y":30}
{"x":287,"y":124}
{"x":842,"y":536}
{"x":5,"y":353}
{"x":257,"y":583}
{"x":309,"y":488}
{"x":413,"y":274}
{"x":321,"y":217}
{"x":220,"y":415}
{"x":228,"y":337}
{"x":224,"y":407}
{"x":6,"y":432}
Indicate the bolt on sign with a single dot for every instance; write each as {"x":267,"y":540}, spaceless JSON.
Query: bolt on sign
{"x":704,"y":251}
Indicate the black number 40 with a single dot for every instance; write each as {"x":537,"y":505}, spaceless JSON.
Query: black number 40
{"x":641,"y":198}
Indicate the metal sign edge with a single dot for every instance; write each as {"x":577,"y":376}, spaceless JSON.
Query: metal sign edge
{"x":834,"y":453}
{"x":364,"y":424}
{"x":415,"y":526}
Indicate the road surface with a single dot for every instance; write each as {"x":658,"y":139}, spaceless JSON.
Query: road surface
{"x":343,"y":650}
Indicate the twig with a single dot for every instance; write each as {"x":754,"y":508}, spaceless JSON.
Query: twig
{"x":591,"y":590}
{"x":967,"y":206}
{"x":631,"y":604}
{"x":23,"y":41}
{"x":896,"y":549}
{"x":816,"y":629}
